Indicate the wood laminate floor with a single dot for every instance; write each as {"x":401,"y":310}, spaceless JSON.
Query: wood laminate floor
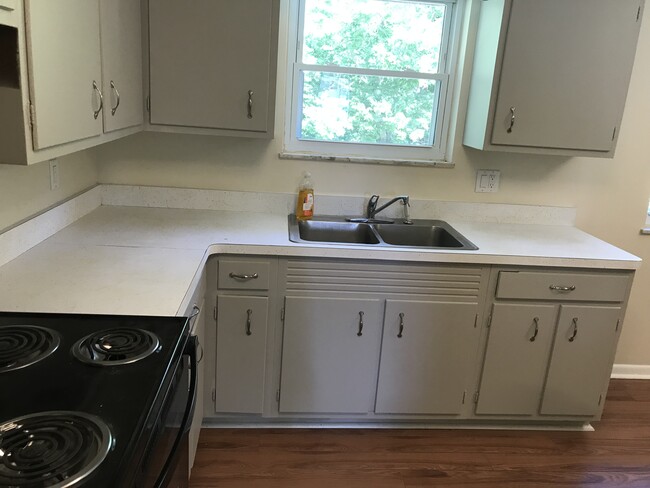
{"x":616,"y":455}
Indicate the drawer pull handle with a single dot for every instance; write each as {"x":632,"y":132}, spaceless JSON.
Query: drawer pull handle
{"x":562,"y":288}
{"x":401,"y":326}
{"x":249,"y":315}
{"x":574,"y":324}
{"x":360,"y":333}
{"x":244,"y":277}
{"x":536,"y":321}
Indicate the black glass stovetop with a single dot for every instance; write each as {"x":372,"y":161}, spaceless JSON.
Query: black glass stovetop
{"x":80,"y":393}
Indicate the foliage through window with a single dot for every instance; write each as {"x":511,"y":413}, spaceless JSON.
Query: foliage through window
{"x":373,"y":76}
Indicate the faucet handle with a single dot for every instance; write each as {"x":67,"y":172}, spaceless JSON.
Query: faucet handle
{"x":372,"y":205}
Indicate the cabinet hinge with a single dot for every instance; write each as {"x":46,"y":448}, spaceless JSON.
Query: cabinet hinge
{"x":476,"y":395}
{"x":282,"y":315}
{"x":638,"y":13}
{"x":214,"y":313}
{"x":148,"y":103}
{"x":464,"y":396}
{"x":214,"y":395}
{"x":600,"y":400}
{"x":476,"y":321}
{"x":614,"y":134}
{"x":32,"y":115}
{"x":618,"y":323}
{"x":489,"y":321}
{"x":277,"y":396}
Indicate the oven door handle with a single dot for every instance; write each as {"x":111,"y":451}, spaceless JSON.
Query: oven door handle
{"x":186,"y":424}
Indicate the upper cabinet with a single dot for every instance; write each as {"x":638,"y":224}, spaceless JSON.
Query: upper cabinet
{"x":213,"y":65}
{"x":551,"y":77}
{"x":73,"y":74}
{"x":121,"y":31}
{"x":65,"y":70}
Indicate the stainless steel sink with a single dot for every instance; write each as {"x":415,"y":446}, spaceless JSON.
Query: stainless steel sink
{"x":431,"y":234}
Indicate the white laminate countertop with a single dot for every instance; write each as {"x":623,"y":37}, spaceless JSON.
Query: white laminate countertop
{"x":143,"y":261}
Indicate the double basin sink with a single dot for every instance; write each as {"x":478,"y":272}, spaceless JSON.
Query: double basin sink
{"x":429,"y":234}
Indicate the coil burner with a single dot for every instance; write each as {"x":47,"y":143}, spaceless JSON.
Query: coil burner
{"x":51,"y":449}
{"x":113,"y":347}
{"x":24,"y":345}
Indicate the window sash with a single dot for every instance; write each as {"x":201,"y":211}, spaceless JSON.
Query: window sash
{"x":356,"y":150}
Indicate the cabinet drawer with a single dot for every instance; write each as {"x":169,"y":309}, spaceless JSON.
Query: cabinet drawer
{"x":597,"y":287}
{"x":235,"y":274}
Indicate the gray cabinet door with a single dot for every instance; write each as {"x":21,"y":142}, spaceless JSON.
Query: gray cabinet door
{"x":515,"y":364}
{"x":428,"y":348}
{"x":121,"y":31}
{"x":205,"y":58}
{"x":565,"y":72}
{"x":581,"y":361}
{"x":64,"y":62}
{"x":241,"y":354}
{"x":329,"y":362}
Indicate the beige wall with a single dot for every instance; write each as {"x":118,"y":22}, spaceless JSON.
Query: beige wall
{"x":25,"y":190}
{"x":611,"y":195}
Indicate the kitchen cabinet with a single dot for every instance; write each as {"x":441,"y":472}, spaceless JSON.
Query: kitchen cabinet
{"x":344,"y":339}
{"x":56,"y":95}
{"x":516,"y":359}
{"x":330,"y":355}
{"x":121,"y":34}
{"x":580,"y":364}
{"x":551,"y":342}
{"x":241,"y":354}
{"x":551,"y":77}
{"x":212,"y":66}
{"x":65,"y":69}
{"x":427,"y":352}
{"x":244,"y":302}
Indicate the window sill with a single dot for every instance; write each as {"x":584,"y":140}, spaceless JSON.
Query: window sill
{"x":368,"y":160}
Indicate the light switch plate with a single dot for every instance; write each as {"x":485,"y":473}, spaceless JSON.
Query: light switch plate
{"x":487,"y":181}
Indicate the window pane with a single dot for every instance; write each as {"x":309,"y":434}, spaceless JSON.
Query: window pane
{"x":368,"y":109}
{"x":374,"y":34}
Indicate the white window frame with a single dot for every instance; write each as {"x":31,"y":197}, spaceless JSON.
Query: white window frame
{"x":380,"y":153}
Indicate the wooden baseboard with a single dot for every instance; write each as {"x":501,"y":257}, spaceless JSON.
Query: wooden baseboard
{"x":631,"y":371}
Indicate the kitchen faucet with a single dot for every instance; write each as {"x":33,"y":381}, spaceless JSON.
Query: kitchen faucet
{"x":372,"y":209}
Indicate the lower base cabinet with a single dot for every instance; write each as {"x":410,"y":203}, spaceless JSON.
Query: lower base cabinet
{"x":516,"y":359}
{"x":330,"y":355}
{"x":581,"y":361}
{"x":241,"y":354}
{"x":428,"y":349}
{"x":298,"y":339}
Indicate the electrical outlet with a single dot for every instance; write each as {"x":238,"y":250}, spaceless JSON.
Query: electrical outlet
{"x":54,"y":174}
{"x":487,"y":181}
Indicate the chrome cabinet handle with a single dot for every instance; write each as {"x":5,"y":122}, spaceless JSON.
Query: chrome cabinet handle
{"x":562,"y":288}
{"x":245,"y":277}
{"x":360,"y":333}
{"x":117,"y":94}
{"x":250,"y":104}
{"x":574,"y":324}
{"x":249,"y":315}
{"x":401,"y":326}
{"x":536,"y":321}
{"x":101,"y":100}
{"x":512,"y":119}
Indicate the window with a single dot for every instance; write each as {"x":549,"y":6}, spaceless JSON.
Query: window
{"x":370,"y":79}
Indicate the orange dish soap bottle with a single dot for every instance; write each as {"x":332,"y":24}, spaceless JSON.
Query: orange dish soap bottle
{"x":305,"y":204}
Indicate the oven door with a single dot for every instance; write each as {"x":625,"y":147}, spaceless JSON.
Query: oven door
{"x":167,"y":464}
